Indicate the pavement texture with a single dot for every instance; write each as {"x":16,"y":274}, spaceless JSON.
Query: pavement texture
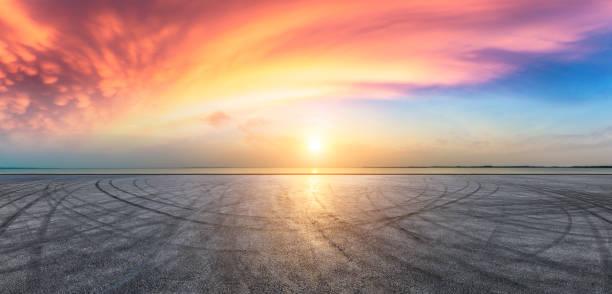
{"x":306,"y":234}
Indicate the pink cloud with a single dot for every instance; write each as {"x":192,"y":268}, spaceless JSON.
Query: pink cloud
{"x":217,"y":119}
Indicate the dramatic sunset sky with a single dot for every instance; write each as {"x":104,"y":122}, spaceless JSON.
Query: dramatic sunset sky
{"x":258,"y":83}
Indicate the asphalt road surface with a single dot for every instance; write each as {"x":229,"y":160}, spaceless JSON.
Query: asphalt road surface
{"x":313,"y":234}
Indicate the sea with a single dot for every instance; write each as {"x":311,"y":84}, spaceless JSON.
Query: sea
{"x":314,"y":170}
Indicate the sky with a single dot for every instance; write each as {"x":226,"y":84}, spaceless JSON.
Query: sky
{"x":259,"y":83}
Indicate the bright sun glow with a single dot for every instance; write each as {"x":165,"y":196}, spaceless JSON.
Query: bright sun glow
{"x":314,"y":144}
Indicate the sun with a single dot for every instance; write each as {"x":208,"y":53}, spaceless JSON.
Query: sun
{"x":314,"y":144}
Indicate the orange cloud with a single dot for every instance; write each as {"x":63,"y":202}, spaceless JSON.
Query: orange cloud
{"x":12,"y":107}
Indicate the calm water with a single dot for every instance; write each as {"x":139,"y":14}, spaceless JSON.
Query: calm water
{"x":412,"y":170}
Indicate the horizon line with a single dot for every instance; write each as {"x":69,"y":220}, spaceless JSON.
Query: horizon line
{"x":362,"y":167}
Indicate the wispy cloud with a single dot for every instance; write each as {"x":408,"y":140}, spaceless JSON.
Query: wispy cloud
{"x":217,"y":119}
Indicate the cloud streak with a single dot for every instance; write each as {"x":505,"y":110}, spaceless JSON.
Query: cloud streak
{"x":217,"y":119}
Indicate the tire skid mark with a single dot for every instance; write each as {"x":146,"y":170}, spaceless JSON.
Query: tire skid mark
{"x":154,"y":210}
{"x":37,"y":250}
{"x":602,"y":245}
{"x":426,"y":208}
{"x":19,"y":198}
{"x":167,"y":234}
{"x":156,"y":194}
{"x":363,"y":237}
{"x":395,"y":225}
{"x":216,"y":230}
{"x":19,"y":188}
{"x":515,"y":252}
{"x":146,"y":198}
{"x":445,"y":194}
{"x":4,"y":225}
{"x":604,"y":256}
{"x":504,"y":215}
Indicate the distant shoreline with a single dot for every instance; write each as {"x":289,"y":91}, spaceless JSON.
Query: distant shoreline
{"x":382,"y":167}
{"x":494,"y":166}
{"x":438,"y":170}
